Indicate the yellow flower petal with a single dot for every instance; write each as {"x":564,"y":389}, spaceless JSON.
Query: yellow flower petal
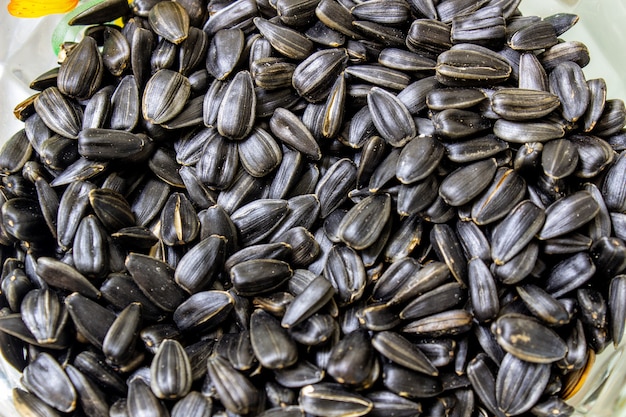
{"x":38,"y":8}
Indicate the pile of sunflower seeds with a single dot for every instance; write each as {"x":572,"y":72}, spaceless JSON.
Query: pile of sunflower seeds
{"x":313,"y":207}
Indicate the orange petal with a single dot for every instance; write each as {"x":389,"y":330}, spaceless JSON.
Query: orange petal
{"x":38,"y":8}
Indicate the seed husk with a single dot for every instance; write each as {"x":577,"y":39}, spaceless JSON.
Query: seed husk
{"x":271,"y":343}
{"x":58,"y":113}
{"x":521,"y":104}
{"x":291,"y":130}
{"x":332,"y":400}
{"x":235,"y":390}
{"x":197,"y":269}
{"x":529,"y":340}
{"x":399,"y":350}
{"x":170,"y":20}
{"x":236,"y":114}
{"x":313,"y":84}
{"x":257,"y":276}
{"x":203,"y":310}
{"x":61,"y":275}
{"x":80,"y":75}
{"x":466,"y":183}
{"x":140,"y":397}
{"x":410,"y":384}
{"x":48,"y":381}
{"x":560,"y":217}
{"x":519,"y":384}
{"x":156,"y":280}
{"x":44,"y":315}
{"x":467,"y":65}
{"x":568,"y":82}
{"x":171,"y":91}
{"x":506,"y":190}
{"x":170,"y":371}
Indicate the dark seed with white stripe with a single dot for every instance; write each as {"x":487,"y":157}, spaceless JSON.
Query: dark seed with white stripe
{"x":285,"y":40}
{"x":236,"y":391}
{"x":314,"y":77}
{"x":418,"y":159}
{"x":45,"y":378}
{"x":165,"y":96}
{"x":258,"y":276}
{"x":58,"y":113}
{"x":203,"y":311}
{"x":345,"y":270}
{"x":543,"y":305}
{"x":528,"y":339}
{"x":332,"y":400}
{"x":236,"y":115}
{"x":515,"y":231}
{"x":80,"y":75}
{"x":519,"y":384}
{"x":613,"y":188}
{"x":225,"y":50}
{"x":197,"y":269}
{"x":156,"y":280}
{"x":457,"y":124}
{"x":568,"y":82}
{"x":408,"y":383}
{"x":271,"y":343}
{"x":506,"y":190}
{"x":466,"y":183}
{"x":482,"y":290}
{"x":568,"y":214}
{"x":170,"y":371}
{"x":521,"y":104}
{"x":468,"y":65}
{"x":401,"y":351}
{"x":169,"y":20}
{"x":291,"y":130}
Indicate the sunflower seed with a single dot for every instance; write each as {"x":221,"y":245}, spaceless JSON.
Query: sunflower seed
{"x":337,"y":17}
{"x":169,"y":20}
{"x":466,"y":64}
{"x":560,"y":217}
{"x":332,"y":400}
{"x":286,"y":41}
{"x":219,"y":162}
{"x":506,"y":190}
{"x":236,"y":114}
{"x":45,"y":378}
{"x":271,"y":343}
{"x":156,"y":280}
{"x":171,"y":91}
{"x":612,"y":192}
{"x":291,"y":130}
{"x":141,"y":398}
{"x":345,"y":270}
{"x":63,"y":276}
{"x":529,"y":340}
{"x":447,"y":323}
{"x":313,"y":78}
{"x":80,"y":75}
{"x":58,"y":112}
{"x":597,"y":101}
{"x":235,"y":390}
{"x":519,"y":384}
{"x":568,"y":82}
{"x":193,"y":404}
{"x":296,"y":12}
{"x":466,"y":183}
{"x":332,"y":188}
{"x":197,"y":269}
